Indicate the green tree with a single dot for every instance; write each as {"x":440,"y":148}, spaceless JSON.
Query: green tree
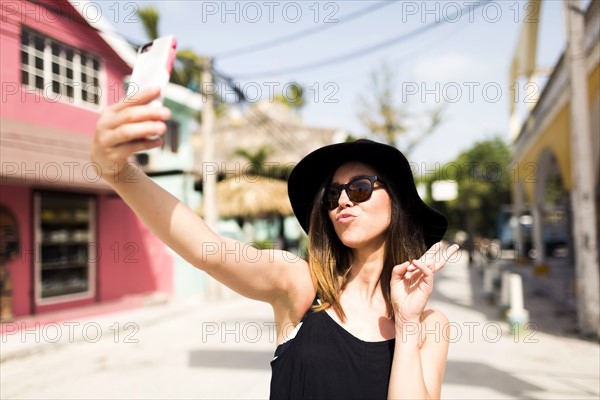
{"x":484,"y":186}
{"x":149,"y":17}
{"x":257,"y":160}
{"x":381,"y":115}
{"x":292,"y":96}
{"x":188,"y":67}
{"x":259,"y":166}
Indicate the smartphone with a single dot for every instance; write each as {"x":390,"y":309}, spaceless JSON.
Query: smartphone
{"x":153,"y":66}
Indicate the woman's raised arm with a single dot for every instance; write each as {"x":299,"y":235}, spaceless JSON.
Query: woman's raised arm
{"x":123,"y":129}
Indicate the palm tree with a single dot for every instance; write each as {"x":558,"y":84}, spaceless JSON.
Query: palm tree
{"x":187,"y":70}
{"x":149,"y":17}
{"x":257,"y":160}
{"x":259,"y":166}
{"x":189,"y":65}
{"x":293,"y":96}
{"x":276,"y":176}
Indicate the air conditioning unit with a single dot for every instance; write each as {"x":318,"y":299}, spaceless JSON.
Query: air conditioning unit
{"x":142,"y":159}
{"x":148,"y":161}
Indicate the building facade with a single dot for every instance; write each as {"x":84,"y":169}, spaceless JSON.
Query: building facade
{"x":555,"y":181}
{"x":79,"y":244}
{"x":172,"y":167}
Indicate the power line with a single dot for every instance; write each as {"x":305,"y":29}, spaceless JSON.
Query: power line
{"x":302,"y":34}
{"x":431,"y":44}
{"x":363,"y":51}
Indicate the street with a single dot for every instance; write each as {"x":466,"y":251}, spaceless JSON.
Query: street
{"x":194,"y":349}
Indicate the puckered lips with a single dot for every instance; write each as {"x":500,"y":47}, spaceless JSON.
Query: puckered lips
{"x":345,"y":217}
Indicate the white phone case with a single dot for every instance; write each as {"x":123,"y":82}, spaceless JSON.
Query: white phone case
{"x":153,"y":66}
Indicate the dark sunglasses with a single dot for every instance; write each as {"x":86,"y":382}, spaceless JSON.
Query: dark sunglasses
{"x":359,"y":189}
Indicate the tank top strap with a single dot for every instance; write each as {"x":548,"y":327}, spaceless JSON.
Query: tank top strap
{"x":317,"y":300}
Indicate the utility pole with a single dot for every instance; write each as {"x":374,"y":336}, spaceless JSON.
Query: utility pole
{"x":583,"y":192}
{"x":209,"y":172}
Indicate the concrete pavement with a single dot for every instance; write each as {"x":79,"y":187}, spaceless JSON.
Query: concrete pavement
{"x":196,"y":349}
{"x":487,"y":360}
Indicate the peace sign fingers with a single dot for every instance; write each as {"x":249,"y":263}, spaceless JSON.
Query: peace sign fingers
{"x":437,"y":256}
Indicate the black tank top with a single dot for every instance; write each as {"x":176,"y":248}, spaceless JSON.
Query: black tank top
{"x":322,"y":360}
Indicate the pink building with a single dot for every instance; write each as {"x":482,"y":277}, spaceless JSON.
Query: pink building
{"x":79,"y":243}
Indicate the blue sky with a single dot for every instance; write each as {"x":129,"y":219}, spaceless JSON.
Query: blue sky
{"x":464,"y":60}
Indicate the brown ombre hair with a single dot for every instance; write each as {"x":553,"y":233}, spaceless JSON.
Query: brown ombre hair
{"x":330,"y":260}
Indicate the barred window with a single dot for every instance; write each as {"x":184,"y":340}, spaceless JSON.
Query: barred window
{"x":59,"y":70}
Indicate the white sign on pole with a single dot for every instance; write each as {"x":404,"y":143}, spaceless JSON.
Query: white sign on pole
{"x":444,"y":190}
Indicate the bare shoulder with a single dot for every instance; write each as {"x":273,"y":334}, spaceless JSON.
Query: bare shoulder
{"x":432,"y":316}
{"x":294,"y":271}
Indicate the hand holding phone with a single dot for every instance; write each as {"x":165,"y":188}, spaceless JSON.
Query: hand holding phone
{"x":153,"y":66}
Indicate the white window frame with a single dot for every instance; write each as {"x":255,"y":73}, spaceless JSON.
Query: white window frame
{"x":94,"y":76}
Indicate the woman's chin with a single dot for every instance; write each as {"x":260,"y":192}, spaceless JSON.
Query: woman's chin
{"x":356,"y":238}
{"x":353,"y":241}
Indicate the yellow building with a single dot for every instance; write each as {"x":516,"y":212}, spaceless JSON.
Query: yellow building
{"x":556,"y":148}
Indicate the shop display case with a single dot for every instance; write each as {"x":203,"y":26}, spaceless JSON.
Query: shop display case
{"x":65,"y":261}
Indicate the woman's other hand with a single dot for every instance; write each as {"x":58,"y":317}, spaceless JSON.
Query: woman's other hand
{"x":412,"y":282}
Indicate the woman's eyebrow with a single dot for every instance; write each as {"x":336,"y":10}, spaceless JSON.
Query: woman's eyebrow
{"x":333,"y":182}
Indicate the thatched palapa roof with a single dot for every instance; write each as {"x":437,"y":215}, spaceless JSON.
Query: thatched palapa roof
{"x":251,"y":196}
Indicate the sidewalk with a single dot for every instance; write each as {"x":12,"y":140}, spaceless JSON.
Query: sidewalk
{"x":182,"y":349}
{"x":36,"y":334}
{"x":487,"y":360}
{"x":549,"y":294}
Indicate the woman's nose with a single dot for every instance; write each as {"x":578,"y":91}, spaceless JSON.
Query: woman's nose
{"x":344,"y":200}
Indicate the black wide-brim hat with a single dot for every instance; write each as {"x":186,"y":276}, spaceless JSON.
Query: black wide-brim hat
{"x":310,"y":173}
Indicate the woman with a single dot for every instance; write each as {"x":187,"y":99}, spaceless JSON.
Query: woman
{"x":357,"y":306}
